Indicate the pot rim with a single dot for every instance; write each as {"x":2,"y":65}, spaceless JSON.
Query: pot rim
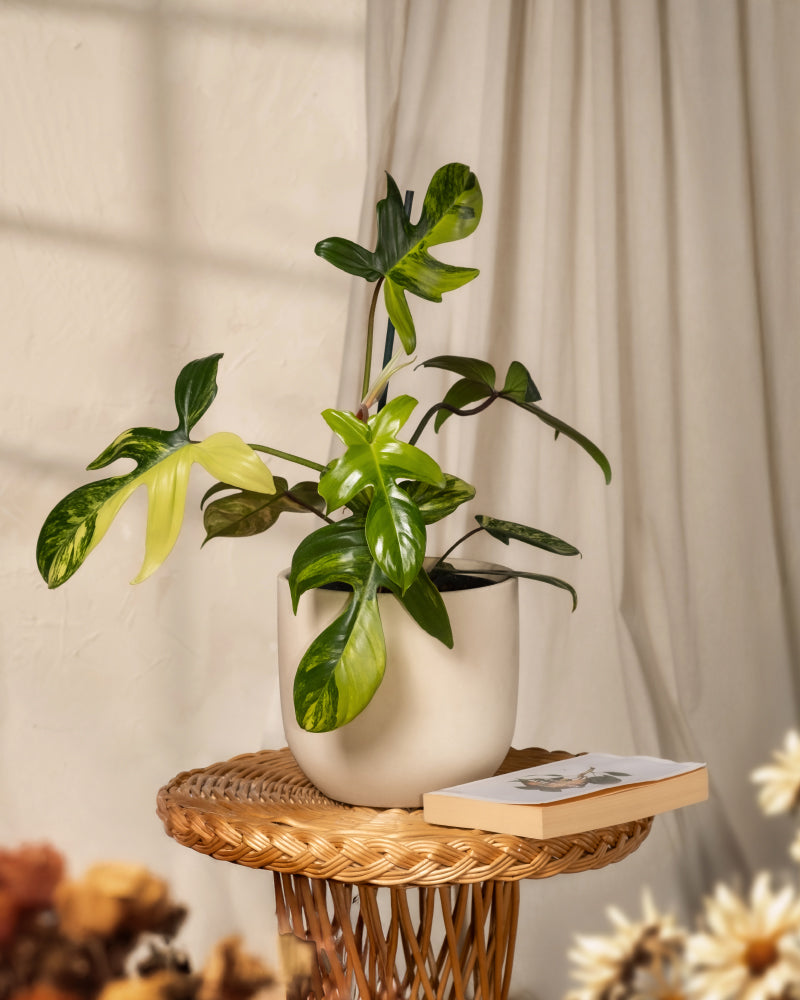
{"x":473,"y":566}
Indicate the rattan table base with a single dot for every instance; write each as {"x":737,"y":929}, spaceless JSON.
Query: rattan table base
{"x":448,"y":926}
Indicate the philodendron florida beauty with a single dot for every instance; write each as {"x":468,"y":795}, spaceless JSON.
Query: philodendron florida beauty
{"x":374,"y":501}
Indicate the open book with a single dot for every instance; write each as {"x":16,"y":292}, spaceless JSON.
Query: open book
{"x":569,"y":796}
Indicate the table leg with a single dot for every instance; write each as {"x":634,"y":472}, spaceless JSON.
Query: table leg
{"x":424,"y":943}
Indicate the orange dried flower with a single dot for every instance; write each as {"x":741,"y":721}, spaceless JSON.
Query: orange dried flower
{"x":9,"y":910}
{"x":30,"y":874}
{"x":111,"y":898}
{"x":230,"y":973}
{"x":165,"y":985}
{"x":45,"y":991}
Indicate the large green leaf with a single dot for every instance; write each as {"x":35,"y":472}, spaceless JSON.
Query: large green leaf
{"x":244,"y":512}
{"x":451,"y":211}
{"x":504,"y":531}
{"x":343,"y":667}
{"x":375,"y":459}
{"x":163,"y":459}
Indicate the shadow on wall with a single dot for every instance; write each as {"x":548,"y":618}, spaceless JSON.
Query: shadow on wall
{"x":167,"y":41}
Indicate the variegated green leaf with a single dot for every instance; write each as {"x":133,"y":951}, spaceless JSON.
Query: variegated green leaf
{"x":504,"y":531}
{"x":437,"y":502}
{"x":342,"y":668}
{"x":244,"y":512}
{"x":344,"y":665}
{"x":334,"y":553}
{"x":451,"y":211}
{"x":163,"y":460}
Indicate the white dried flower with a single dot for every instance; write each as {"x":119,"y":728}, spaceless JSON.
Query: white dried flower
{"x":781,"y":780}
{"x":751,"y":950}
{"x":641,"y":960}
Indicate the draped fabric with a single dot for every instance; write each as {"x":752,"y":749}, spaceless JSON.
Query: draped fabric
{"x":639,"y":250}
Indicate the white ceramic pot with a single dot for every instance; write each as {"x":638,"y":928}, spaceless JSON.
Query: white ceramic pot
{"x":440,"y":716}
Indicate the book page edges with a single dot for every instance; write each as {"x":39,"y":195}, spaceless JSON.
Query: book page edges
{"x":572,"y":816}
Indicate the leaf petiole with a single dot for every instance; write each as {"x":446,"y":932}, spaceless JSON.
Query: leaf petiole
{"x":451,"y":409}
{"x":289,"y":457}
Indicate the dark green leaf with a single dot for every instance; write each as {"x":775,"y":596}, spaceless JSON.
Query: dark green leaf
{"x":461,"y":394}
{"x":504,"y":573}
{"x":437,"y":502}
{"x":195,"y":389}
{"x":425,"y":605}
{"x":561,"y":428}
{"x":469,"y":368}
{"x":348,"y":256}
{"x":246,"y":513}
{"x":506,"y":530}
{"x":519,"y":385}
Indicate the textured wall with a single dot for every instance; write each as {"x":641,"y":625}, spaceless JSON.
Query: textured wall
{"x":165,"y":171}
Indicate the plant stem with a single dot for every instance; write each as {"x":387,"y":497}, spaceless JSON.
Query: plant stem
{"x":452,"y":409}
{"x":309,"y":507}
{"x":455,"y":545}
{"x":368,"y":348}
{"x":289,"y":457}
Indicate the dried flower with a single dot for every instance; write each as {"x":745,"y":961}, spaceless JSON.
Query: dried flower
{"x":112,"y":898}
{"x":30,"y":874}
{"x":781,"y":780}
{"x":9,"y":911}
{"x":639,"y":960}
{"x":751,"y":950}
{"x":164,"y":985}
{"x":45,"y":991}
{"x":230,"y":973}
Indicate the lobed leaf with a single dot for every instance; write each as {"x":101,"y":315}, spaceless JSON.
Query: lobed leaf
{"x":375,"y":460}
{"x":451,"y":210}
{"x":163,"y":460}
{"x":344,"y":665}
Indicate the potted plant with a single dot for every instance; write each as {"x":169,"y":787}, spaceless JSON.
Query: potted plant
{"x":374,"y":501}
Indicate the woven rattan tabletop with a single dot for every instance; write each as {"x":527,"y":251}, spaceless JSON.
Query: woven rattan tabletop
{"x":260,"y":810}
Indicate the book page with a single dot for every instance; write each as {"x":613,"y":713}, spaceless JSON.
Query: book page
{"x":569,"y":779}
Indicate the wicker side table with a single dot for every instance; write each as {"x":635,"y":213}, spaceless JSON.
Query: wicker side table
{"x":450,"y":925}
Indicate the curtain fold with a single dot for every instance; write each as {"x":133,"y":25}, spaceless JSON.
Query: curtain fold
{"x":638,"y":251}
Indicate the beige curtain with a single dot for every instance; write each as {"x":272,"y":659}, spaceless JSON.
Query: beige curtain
{"x":639,"y":251}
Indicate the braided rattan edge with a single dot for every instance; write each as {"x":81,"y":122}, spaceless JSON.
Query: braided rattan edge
{"x":260,"y":810}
